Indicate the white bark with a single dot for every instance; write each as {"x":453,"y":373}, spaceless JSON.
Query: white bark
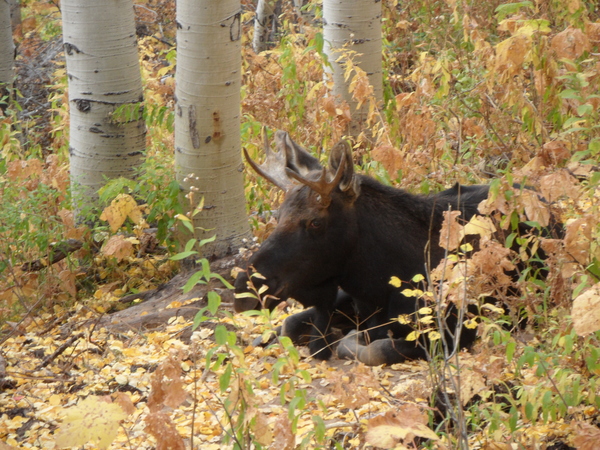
{"x":104,"y":74}
{"x":7,"y":47}
{"x":207,"y":121}
{"x":15,"y":13}
{"x":353,"y":25}
{"x":264,"y":23}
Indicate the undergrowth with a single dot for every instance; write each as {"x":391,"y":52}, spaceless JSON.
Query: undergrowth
{"x":475,"y":92}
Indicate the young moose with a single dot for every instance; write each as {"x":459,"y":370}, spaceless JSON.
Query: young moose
{"x":340,"y":237}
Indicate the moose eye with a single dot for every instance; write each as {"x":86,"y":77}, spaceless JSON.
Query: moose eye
{"x":315,"y":224}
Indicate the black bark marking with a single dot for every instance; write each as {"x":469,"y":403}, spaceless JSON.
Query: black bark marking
{"x":217,"y":131}
{"x":235,"y":27}
{"x":70,"y":49}
{"x":83,"y":105}
{"x":193,"y":126}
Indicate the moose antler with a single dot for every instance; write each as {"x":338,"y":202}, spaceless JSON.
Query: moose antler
{"x":290,"y":163}
{"x":274,"y":167}
{"x":321,"y":186}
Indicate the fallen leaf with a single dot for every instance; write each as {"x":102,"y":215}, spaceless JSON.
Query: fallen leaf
{"x":93,"y":419}
{"x":390,"y":429}
{"x":585,"y":312}
{"x":118,"y":246}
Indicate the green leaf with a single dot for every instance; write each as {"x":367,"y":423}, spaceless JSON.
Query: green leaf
{"x":225,"y":378}
{"x":203,"y":242}
{"x":221,"y":334}
{"x":509,"y":9}
{"x":193,"y":281}
{"x":183,"y":255}
{"x":510,"y":351}
{"x":214,"y":300}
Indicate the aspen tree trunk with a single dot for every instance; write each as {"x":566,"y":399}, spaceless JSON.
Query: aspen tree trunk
{"x":7,"y":47}
{"x":15,"y":13}
{"x":353,"y":25}
{"x":265,"y":22}
{"x":104,"y":74}
{"x":207,"y":122}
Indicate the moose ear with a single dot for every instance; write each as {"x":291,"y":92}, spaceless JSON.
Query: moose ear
{"x":298,"y":159}
{"x":349,"y":182}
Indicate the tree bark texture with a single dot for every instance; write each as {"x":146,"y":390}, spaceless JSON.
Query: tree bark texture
{"x":265,"y":23}
{"x":7,"y":47}
{"x":353,"y":25}
{"x":104,"y":74}
{"x":15,"y":13}
{"x":207,"y":122}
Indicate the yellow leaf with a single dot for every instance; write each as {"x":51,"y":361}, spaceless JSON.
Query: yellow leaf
{"x":427,"y":320}
{"x":418,"y":278}
{"x":403,"y":319}
{"x":470,"y":323}
{"x":425,"y":311}
{"x":395,"y":281}
{"x":412,"y":292}
{"x":413,"y":336}
{"x":120,"y":208}
{"x":481,"y":225}
{"x":91,"y":420}
{"x":434,"y":335}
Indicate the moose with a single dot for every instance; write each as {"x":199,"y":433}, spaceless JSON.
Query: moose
{"x":340,"y":238}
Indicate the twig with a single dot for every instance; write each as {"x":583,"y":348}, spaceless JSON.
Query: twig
{"x":60,"y":350}
{"x":58,"y":252}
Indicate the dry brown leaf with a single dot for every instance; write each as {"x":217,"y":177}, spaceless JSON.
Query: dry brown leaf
{"x":68,"y":282}
{"x":586,"y":436}
{"x":394,"y":427}
{"x":358,"y":375}
{"x":451,"y":231}
{"x":586,"y":311}
{"x":167,"y":385}
{"x":118,"y":246}
{"x":570,"y":43}
{"x":284,"y":436}
{"x":159,"y":425}
{"x":511,"y":53}
{"x":497,"y":446}
{"x":535,"y":208}
{"x":555,"y":152}
{"x":471,"y":384}
{"x":390,"y":157}
{"x":559,"y":184}
{"x":592,"y":30}
{"x":262,"y":429}
{"x":578,"y":238}
{"x":124,"y":401}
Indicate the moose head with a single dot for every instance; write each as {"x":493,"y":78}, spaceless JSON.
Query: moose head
{"x":305,"y":255}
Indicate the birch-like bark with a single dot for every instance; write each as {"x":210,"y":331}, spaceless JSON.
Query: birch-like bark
{"x":104,"y":74}
{"x":208,"y":161}
{"x":265,"y":22}
{"x":15,"y":13}
{"x":353,"y":25}
{"x":7,"y":47}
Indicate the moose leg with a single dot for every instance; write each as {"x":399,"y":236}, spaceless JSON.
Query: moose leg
{"x":311,"y":326}
{"x":319,"y":344}
{"x":382,"y":351}
{"x":298,"y":327}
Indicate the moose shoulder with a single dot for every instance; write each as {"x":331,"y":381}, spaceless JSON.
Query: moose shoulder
{"x":340,"y":237}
